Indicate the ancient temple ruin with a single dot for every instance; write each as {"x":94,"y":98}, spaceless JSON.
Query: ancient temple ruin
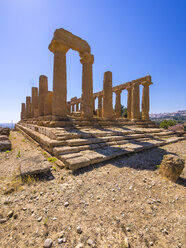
{"x":71,"y":129}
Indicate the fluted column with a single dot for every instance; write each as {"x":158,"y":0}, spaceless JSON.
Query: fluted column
{"x":129,"y":102}
{"x":107,"y":95}
{"x":28,"y":107}
{"x":59,"y":106}
{"x":145,"y":101}
{"x":48,"y":103}
{"x":72,"y":108}
{"x":77,"y":106}
{"x":118,"y":104}
{"x":34,"y":101}
{"x":135,"y":102}
{"x":87,"y":84}
{"x":68,"y":108}
{"x":100,"y":105}
{"x":43,"y":89}
{"x":23,"y":111}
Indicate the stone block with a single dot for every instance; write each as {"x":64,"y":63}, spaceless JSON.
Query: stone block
{"x":171,"y":167}
{"x":78,"y":162}
{"x":34,"y":165}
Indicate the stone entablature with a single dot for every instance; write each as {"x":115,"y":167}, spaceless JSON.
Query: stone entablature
{"x":133,"y":99}
{"x":54,"y":105}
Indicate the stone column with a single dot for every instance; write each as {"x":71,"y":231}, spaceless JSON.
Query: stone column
{"x":145,"y":101}
{"x":77,"y":106}
{"x":87,"y":84}
{"x":48,"y":103}
{"x":100,"y":106}
{"x":34,"y":101}
{"x":118,"y":104}
{"x":68,"y":108}
{"x":59,"y":106}
{"x":135,"y":113}
{"x":43,"y":89}
{"x":107,"y":95}
{"x":23,"y":111}
{"x":129,"y":102}
{"x":72,"y":108}
{"x":28,"y":107}
{"x":94,"y":98}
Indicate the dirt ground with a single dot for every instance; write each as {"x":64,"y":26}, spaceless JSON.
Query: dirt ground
{"x":107,"y":205}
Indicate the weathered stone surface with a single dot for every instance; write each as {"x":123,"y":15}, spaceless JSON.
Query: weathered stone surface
{"x":5,"y":145}
{"x":4,"y":131}
{"x":77,"y":162}
{"x":34,"y":165}
{"x":43,"y":89}
{"x":107,"y":95}
{"x":171,"y":167}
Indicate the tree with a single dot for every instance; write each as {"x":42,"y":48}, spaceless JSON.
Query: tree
{"x":123,"y":111}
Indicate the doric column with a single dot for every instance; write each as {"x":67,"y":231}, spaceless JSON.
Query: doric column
{"x":129,"y":102}
{"x":100,"y":106}
{"x":135,"y":113}
{"x":68,"y":108}
{"x":118,"y":104}
{"x":87,"y":84}
{"x":77,"y":106}
{"x":48,"y":103}
{"x":145,"y":101}
{"x":72,"y":107}
{"x":28,"y":107}
{"x":59,"y":106}
{"x":107,"y":95}
{"x":43,"y":89}
{"x":23,"y":111}
{"x":34,"y":101}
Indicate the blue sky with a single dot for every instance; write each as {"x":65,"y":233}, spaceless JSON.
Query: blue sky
{"x":131,"y":38}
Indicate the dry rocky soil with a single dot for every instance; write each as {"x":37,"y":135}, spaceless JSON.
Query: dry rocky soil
{"x":121,"y":203}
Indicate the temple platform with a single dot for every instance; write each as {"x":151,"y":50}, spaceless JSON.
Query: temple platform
{"x":78,"y":142}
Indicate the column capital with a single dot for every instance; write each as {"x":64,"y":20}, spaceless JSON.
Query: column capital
{"x":118,"y":92}
{"x":129,"y":87}
{"x":86,"y":58}
{"x":56,"y":46}
{"x":146,"y":83}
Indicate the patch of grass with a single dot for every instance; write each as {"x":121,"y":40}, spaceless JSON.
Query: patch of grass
{"x":7,"y":151}
{"x":44,"y":153}
{"x":18,"y":154}
{"x":54,"y":168}
{"x":124,"y":245}
{"x":14,"y":185}
{"x":30,"y":179}
{"x":52,"y":159}
{"x":158,"y":166}
{"x":45,"y":221}
{"x":14,"y":137}
{"x":23,"y":140}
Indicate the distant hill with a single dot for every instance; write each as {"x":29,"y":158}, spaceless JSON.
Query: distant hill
{"x":179,"y":115}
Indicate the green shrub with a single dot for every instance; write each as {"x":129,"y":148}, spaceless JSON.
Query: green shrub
{"x":52,"y":159}
{"x":167,"y":123}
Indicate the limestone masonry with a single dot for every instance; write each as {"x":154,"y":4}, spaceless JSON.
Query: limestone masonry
{"x":76,"y":132}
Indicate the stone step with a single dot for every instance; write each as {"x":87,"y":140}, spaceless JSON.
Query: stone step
{"x":84,"y":158}
{"x":96,"y":134}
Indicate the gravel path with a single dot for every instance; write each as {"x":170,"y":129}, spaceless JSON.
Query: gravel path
{"x":107,"y":205}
